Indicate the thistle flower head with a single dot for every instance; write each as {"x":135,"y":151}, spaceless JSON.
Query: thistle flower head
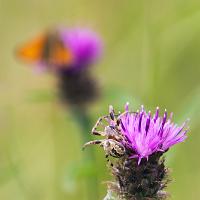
{"x":147,"y":134}
{"x":137,"y":142}
{"x":84,"y":45}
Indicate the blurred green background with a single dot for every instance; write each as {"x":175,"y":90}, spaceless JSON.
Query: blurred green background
{"x":151,"y":57}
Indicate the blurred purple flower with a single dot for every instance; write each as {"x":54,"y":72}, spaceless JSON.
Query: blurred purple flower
{"x":148,"y":134}
{"x":85,"y":46}
{"x":76,"y":84}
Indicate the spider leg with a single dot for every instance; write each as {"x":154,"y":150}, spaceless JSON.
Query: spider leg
{"x":112,"y":112}
{"x":92,"y":143}
{"x":95,"y":132}
{"x":98,"y":123}
{"x":113,"y":133}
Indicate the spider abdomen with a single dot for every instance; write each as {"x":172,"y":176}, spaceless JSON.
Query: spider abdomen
{"x":115,"y":154}
{"x":114,"y":148}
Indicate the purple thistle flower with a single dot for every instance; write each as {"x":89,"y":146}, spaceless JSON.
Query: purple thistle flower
{"x":128,"y":138}
{"x":77,"y":86}
{"x":85,"y":46}
{"x":147,"y":135}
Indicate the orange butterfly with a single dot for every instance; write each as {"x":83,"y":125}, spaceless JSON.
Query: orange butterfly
{"x":48,"y":49}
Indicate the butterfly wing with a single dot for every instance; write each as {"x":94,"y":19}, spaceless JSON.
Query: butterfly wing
{"x":62,"y":57}
{"x":31,"y":52}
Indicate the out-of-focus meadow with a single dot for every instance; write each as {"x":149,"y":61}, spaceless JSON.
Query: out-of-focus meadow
{"x":151,"y":57}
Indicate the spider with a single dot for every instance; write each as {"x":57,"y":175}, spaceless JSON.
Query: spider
{"x":112,"y":143}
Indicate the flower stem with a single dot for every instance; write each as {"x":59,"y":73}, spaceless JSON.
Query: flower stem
{"x":82,"y":118}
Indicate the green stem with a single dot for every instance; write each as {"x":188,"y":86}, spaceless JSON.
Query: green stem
{"x":83,"y":119}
